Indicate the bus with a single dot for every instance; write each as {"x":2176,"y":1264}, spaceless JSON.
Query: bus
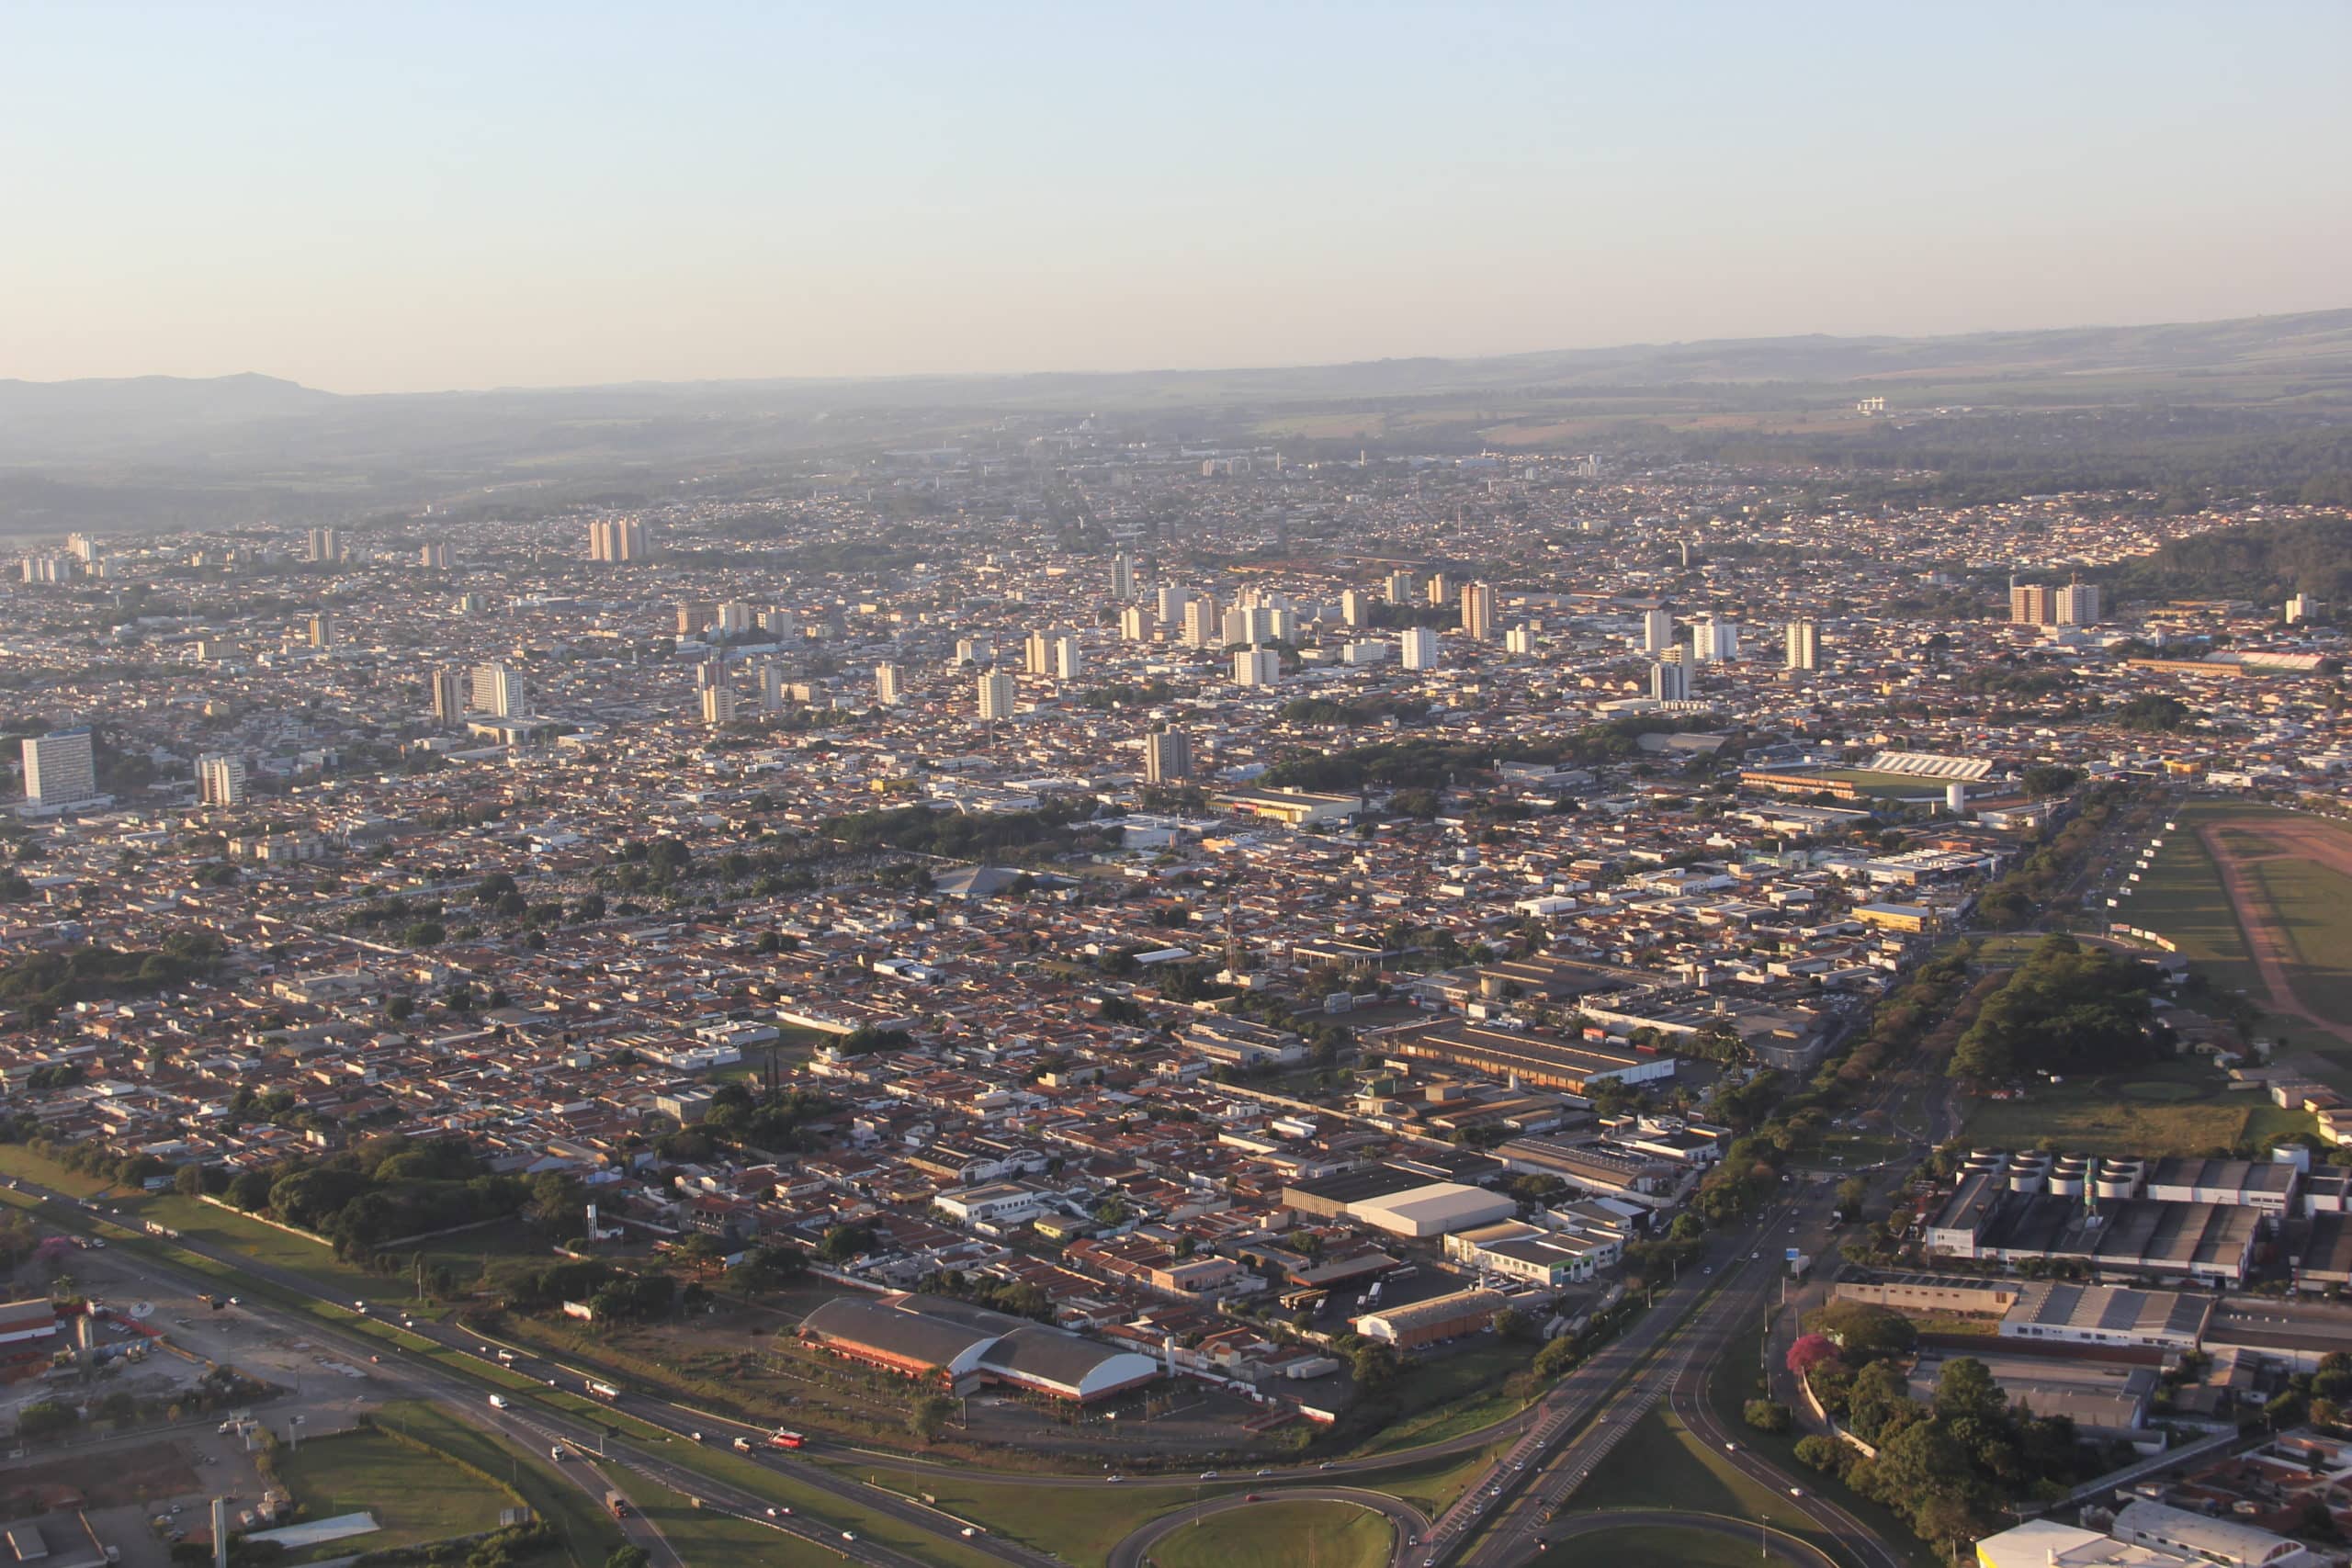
{"x":780,"y":1439}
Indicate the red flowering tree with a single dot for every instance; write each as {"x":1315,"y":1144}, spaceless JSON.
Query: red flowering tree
{"x":1810,"y":1351}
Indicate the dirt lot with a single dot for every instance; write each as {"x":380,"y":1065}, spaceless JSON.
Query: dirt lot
{"x":103,"y":1477}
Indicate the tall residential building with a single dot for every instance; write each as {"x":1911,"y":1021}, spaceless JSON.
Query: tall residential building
{"x":324,"y":545}
{"x":1713,"y":642}
{"x":320,"y":629}
{"x":997,"y":692}
{"x":1070,"y":663}
{"x":1355,"y":607}
{"x":221,"y":779}
{"x":1519,"y":641}
{"x":1658,"y":631}
{"x":1399,"y":587}
{"x":61,"y":768}
{"x":1200,"y":622}
{"x":885,"y":685}
{"x":1037,"y":654}
{"x":1256,"y":667}
{"x":693,"y":616}
{"x":498,"y":691}
{"x":1166,"y":756}
{"x":84,"y":547}
{"x":974,"y":650}
{"x":1670,"y":681}
{"x":1417,"y":649}
{"x":617,"y":539}
{"x":1478,"y":610}
{"x":737,"y":618}
{"x":1136,"y":624}
{"x":2300,"y":609}
{"x":2076,"y":605}
{"x":772,"y":693}
{"x":2029,"y":604}
{"x":1441,"y":588}
{"x":450,"y":690}
{"x":1804,"y":645}
{"x":1122,"y":576}
{"x":1173,"y":597}
{"x":717,"y":706}
{"x":434,"y":557}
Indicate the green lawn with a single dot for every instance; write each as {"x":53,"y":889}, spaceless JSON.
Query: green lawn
{"x":1281,"y":1535}
{"x":588,"y":1533}
{"x":1659,"y":1464}
{"x":1078,"y":1524}
{"x":2180,"y":896}
{"x":2178,"y":1107}
{"x":1660,"y":1547}
{"x":414,"y":1496}
{"x":699,"y":1536}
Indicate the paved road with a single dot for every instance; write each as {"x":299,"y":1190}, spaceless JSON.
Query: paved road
{"x":1500,"y":1519}
{"x":1406,"y":1524}
{"x":534,"y":1425}
{"x":1772,"y":1545}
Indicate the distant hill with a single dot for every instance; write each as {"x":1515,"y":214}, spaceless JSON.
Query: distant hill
{"x":156,"y":449}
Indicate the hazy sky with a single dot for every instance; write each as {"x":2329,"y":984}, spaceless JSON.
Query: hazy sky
{"x":414,"y":196}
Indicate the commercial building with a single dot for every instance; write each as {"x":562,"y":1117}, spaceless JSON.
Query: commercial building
{"x":2045,"y":1543}
{"x":1428,"y":1322}
{"x":2206,"y":1540}
{"x":1291,"y":808}
{"x":951,"y":1344}
{"x":1532,"y":1057}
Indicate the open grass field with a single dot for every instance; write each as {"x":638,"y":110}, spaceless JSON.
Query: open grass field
{"x":1077,"y":1524}
{"x":414,"y":1496}
{"x":1659,"y":1464}
{"x":1653,"y":1546}
{"x":587,"y":1532}
{"x":2179,"y":1107}
{"x":1282,"y":1535}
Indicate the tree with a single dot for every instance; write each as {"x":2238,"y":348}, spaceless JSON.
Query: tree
{"x":1811,"y":1350}
{"x":189,"y":1182}
{"x":626,"y":1556}
{"x":1375,"y":1366}
{"x":1865,"y":1331}
{"x":842,"y":1243}
{"x":927,"y":1416}
{"x":768,"y":1267}
{"x":1766,"y":1416}
{"x":1965,"y":1391}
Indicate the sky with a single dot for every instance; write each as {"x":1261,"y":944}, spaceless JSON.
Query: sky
{"x":420,"y":196}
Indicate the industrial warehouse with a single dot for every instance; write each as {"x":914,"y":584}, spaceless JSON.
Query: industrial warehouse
{"x":961,"y":1347}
